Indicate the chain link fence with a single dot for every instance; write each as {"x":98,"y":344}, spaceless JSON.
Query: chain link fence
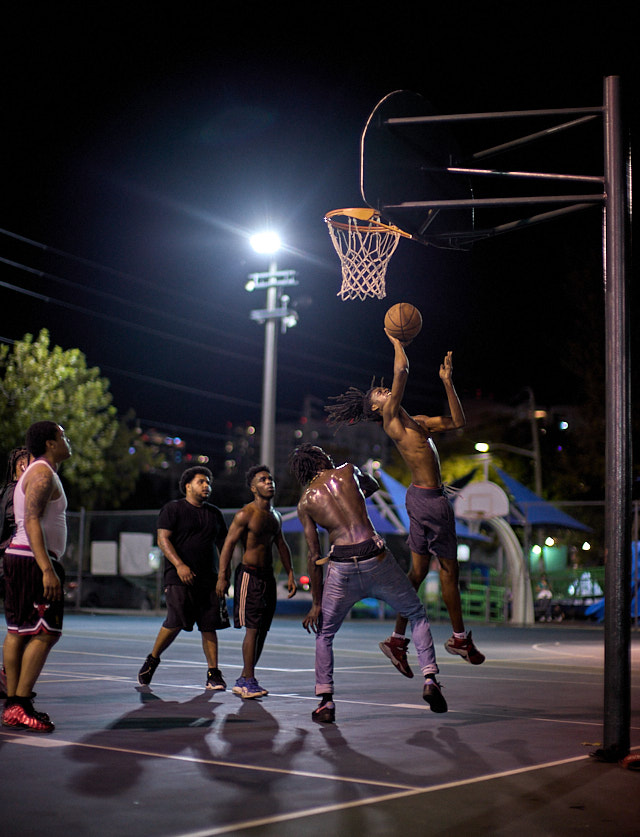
{"x":118,"y":551}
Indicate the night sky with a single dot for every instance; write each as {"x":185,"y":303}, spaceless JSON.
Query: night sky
{"x":142,"y":146}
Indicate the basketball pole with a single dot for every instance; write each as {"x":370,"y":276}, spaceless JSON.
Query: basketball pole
{"x":617,"y":718}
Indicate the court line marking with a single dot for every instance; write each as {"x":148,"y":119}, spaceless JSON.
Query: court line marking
{"x":327,"y":809}
{"x":12,"y":738}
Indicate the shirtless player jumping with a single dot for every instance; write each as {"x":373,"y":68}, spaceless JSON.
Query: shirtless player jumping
{"x":432,"y":523}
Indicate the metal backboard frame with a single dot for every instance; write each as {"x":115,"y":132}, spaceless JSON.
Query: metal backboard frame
{"x":413,"y":175}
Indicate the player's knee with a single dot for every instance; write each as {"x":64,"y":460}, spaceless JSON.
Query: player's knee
{"x":449,"y":569}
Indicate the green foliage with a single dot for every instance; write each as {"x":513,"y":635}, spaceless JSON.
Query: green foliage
{"x":39,"y":382}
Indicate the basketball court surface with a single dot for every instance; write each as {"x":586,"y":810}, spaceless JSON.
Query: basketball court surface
{"x":510,"y":757}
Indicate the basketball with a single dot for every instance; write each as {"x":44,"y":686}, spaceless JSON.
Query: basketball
{"x":403,"y":321}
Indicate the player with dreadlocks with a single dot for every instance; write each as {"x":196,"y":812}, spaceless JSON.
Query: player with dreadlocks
{"x":432,"y":530}
{"x":360,"y":565}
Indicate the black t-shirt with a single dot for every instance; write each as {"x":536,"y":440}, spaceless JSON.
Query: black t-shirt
{"x":195,"y":533}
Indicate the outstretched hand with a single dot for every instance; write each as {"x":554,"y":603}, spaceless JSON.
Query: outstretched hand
{"x":446,"y":367}
{"x":395,"y":341}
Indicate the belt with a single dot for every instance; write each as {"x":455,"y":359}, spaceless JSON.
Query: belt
{"x":355,"y":559}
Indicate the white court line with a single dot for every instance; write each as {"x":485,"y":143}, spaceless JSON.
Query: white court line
{"x":233,"y":828}
{"x":12,"y":738}
{"x":403,"y":791}
{"x":548,"y":648}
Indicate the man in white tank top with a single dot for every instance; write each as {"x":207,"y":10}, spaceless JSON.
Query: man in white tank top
{"x":34,"y":574}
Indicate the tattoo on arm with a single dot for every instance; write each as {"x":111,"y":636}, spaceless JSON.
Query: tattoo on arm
{"x":37,"y":495}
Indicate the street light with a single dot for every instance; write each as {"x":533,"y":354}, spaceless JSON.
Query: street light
{"x":485,"y":447}
{"x":272,"y":281}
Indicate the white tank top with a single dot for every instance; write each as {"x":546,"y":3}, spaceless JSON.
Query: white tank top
{"x":54,"y":519}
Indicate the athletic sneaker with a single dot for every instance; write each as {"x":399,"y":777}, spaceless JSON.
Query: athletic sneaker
{"x":465,"y":648}
{"x":432,"y":694}
{"x":247,"y":688}
{"x":325,"y":713}
{"x":148,"y":669}
{"x":215,"y":681}
{"x":396,"y":650}
{"x":238,"y":686}
{"x":19,"y":716}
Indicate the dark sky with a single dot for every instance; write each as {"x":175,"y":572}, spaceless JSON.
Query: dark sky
{"x":142,"y":146}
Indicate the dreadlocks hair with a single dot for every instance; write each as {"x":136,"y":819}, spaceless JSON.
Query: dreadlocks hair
{"x":306,"y":460}
{"x":353,"y":406}
{"x":14,"y":457}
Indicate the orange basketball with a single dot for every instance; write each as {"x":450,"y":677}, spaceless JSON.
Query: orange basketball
{"x":403,"y":321}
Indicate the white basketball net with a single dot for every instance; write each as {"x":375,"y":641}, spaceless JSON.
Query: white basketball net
{"x":364,"y":249}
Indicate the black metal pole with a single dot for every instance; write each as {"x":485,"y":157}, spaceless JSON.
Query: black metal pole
{"x":618,"y":441}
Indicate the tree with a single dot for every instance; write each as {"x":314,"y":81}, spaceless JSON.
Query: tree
{"x":38,"y":382}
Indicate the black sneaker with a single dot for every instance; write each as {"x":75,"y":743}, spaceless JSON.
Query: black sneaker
{"x":148,"y":669}
{"x":325,"y":713}
{"x":215,"y":681}
{"x":432,"y":694}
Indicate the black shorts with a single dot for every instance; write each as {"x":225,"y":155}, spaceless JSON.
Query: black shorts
{"x":190,"y":605}
{"x":254,"y":597}
{"x":27,"y":611}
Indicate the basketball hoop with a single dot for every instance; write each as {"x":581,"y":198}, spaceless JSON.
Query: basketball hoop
{"x":365,"y":245}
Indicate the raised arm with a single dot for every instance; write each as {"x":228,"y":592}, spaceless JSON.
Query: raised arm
{"x":368,"y":484}
{"x":400,"y":376}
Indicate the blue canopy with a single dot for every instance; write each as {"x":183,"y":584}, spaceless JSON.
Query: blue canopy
{"x":536,"y":511}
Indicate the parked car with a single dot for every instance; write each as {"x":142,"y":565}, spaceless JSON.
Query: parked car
{"x":111,"y":591}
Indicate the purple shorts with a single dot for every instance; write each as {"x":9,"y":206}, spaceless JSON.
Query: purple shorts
{"x":432,"y":529}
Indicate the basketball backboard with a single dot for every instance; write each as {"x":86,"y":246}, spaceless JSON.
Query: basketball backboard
{"x":481,"y":501}
{"x":408,"y":163}
{"x":413,"y":174}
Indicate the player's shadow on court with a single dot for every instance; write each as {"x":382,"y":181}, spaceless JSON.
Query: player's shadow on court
{"x":115,"y":755}
{"x":255,"y":762}
{"x":352,"y":763}
{"x":249,"y":737}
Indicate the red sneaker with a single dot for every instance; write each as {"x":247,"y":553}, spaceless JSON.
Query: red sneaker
{"x":20,"y":717}
{"x":465,"y":648}
{"x":396,"y":650}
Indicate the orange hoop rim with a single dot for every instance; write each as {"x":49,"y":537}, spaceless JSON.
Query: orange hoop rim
{"x":365,"y":215}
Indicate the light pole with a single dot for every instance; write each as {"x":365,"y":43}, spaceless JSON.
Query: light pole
{"x":271,"y":281}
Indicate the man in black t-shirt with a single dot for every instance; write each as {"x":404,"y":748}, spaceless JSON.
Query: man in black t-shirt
{"x":189,"y":530}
